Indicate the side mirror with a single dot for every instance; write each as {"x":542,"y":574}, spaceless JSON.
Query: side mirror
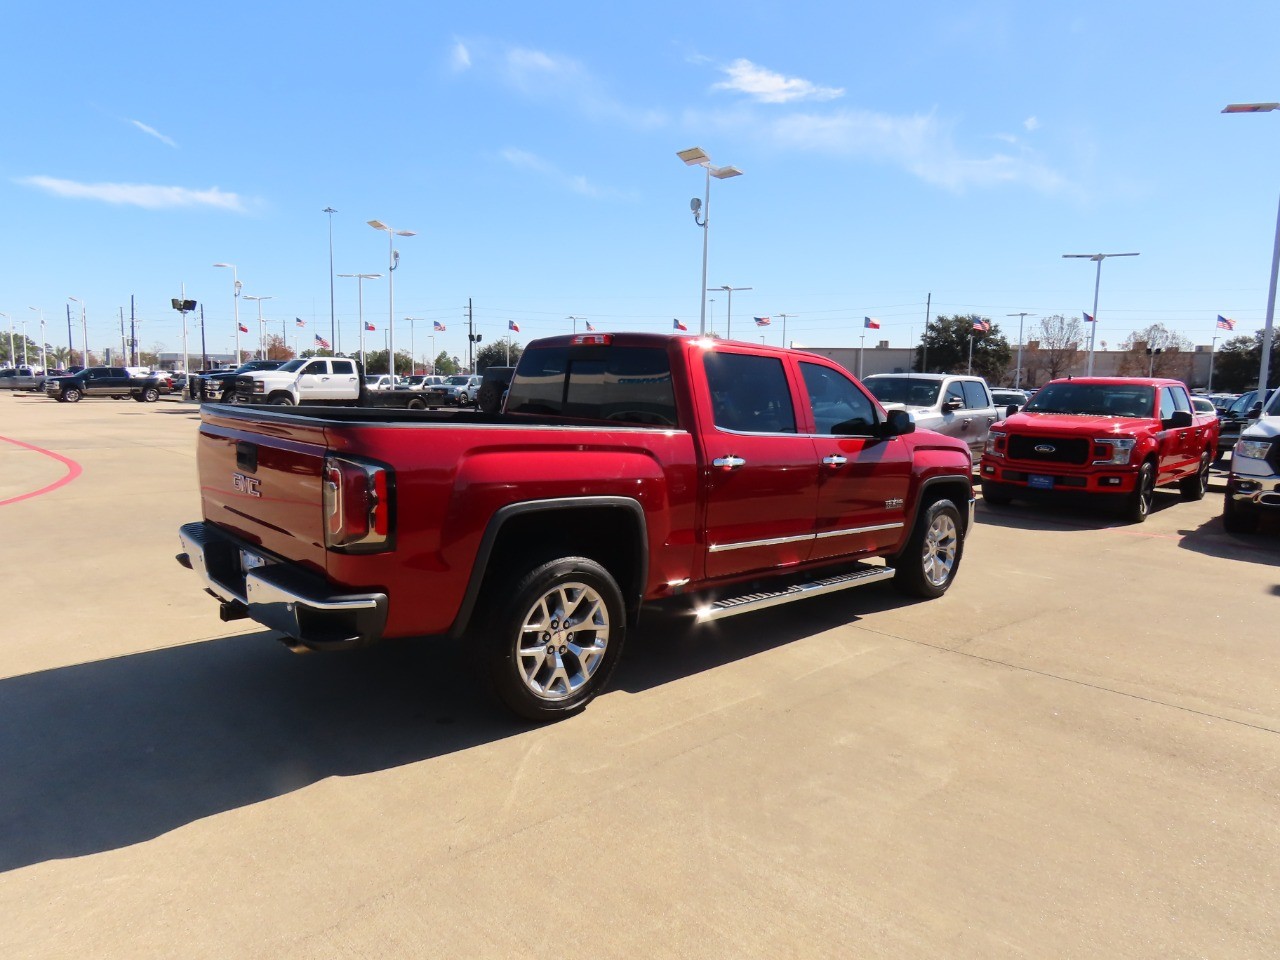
{"x":952,"y":404}
{"x":896,"y":424}
{"x":1180,"y":418}
{"x":1255,"y":411}
{"x":1010,"y":410}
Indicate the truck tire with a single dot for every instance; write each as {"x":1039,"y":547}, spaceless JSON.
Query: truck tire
{"x":71,"y":395}
{"x":1137,"y":505}
{"x":137,"y":397}
{"x":280,"y":400}
{"x":150,"y":395}
{"x":489,"y":399}
{"x":928,"y":563}
{"x":1193,"y":488}
{"x":1239,"y":517}
{"x":417,"y":403}
{"x":997,"y":494}
{"x":554,"y":637}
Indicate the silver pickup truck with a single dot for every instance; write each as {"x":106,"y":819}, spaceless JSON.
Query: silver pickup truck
{"x":21,"y":378}
{"x":954,"y":405}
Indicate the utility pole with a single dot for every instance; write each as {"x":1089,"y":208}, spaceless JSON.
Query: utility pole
{"x":124,"y":350}
{"x":133,"y":331}
{"x":204,"y":351}
{"x":784,"y":317}
{"x":472,"y":338}
{"x":924,"y":339}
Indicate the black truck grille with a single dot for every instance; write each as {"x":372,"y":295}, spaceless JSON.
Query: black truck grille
{"x":244,"y":389}
{"x":1049,"y":449}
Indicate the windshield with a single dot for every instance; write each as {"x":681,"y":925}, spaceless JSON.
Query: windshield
{"x":459,"y":381}
{"x":908,"y":390}
{"x":253,"y":365}
{"x":1095,"y":399}
{"x":293,"y":365}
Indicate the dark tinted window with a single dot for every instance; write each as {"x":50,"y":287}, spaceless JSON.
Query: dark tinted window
{"x":623,"y":384}
{"x":911,"y":391}
{"x":975,"y":395}
{"x":314,"y":367}
{"x":343,"y":366}
{"x":838,"y":405}
{"x":749,"y":393}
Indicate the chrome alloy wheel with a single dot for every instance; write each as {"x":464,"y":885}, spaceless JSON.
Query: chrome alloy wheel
{"x":563,"y":640}
{"x":941,"y":545}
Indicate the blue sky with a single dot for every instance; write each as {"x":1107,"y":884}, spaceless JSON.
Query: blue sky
{"x":890,"y":152}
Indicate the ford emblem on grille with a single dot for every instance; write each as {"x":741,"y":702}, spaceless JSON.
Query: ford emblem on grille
{"x":1045,"y":448}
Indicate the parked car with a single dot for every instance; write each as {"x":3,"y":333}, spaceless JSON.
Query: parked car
{"x":494,"y":382}
{"x":1245,"y":409}
{"x":629,"y":470}
{"x":1006,"y":397}
{"x":220,"y":385}
{"x":380,"y":381}
{"x":106,"y":382}
{"x":1253,"y":483}
{"x":1112,"y":438}
{"x":1204,"y":405}
{"x":456,"y":391}
{"x":949,"y":404}
{"x":22,"y":378}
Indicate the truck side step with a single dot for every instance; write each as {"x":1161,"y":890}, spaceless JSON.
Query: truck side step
{"x":732,"y":606}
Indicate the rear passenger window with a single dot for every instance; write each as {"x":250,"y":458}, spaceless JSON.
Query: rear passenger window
{"x":343,"y":366}
{"x":749,"y":393}
{"x":975,"y":395}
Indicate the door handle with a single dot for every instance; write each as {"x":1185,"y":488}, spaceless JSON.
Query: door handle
{"x":835,"y":460}
{"x":728,"y":463}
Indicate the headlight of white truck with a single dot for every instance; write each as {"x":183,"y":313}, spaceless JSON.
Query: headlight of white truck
{"x":1253,"y":449}
{"x":1121,"y":448}
{"x":259,"y":386}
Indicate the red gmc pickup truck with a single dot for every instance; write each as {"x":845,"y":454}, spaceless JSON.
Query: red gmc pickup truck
{"x":625,"y":469}
{"x":1115,"y":437}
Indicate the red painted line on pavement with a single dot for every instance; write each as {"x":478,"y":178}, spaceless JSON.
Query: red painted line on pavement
{"x":73,"y":471}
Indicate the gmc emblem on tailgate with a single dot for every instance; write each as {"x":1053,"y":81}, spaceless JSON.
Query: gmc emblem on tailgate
{"x":246,"y":485}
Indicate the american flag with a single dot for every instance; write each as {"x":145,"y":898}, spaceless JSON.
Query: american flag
{"x":590,"y":328}
{"x":1225,"y":323}
{"x":871,"y":323}
{"x":438,"y":327}
{"x":982,"y":326}
{"x":762,"y":321}
{"x":322,"y":343}
{"x":369,"y":326}
{"x":512,"y":325}
{"x":1087,"y":318}
{"x":677,"y":325}
{"x":299,"y":322}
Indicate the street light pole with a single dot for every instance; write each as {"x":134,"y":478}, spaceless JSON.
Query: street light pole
{"x":1022,"y":316}
{"x":784,"y":317}
{"x":1097,"y":258}
{"x":235,"y":299}
{"x":392,"y":261}
{"x":728,"y":324}
{"x":262,"y":336}
{"x":333,"y":323}
{"x":1212,"y":344}
{"x":12,"y":360}
{"x":44,"y":358}
{"x":1264,"y":371}
{"x":575,"y":321}
{"x":413,"y":325}
{"x":360,"y":278}
{"x":697,"y":157}
{"x":84,"y":330}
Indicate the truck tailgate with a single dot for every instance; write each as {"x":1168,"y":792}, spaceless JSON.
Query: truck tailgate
{"x":261,"y":481}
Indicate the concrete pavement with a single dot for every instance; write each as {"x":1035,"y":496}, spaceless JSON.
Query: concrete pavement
{"x":1072,"y":754}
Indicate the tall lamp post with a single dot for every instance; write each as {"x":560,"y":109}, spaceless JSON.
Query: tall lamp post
{"x":84,"y":330}
{"x":728,"y":324}
{"x":360,"y":278}
{"x":44,"y":358}
{"x":393,"y":260}
{"x":1264,"y":372}
{"x":333,"y":323}
{"x":1098,"y":258}
{"x":13,"y":362}
{"x":413,"y":326}
{"x":697,"y":157}
{"x":1022,"y":316}
{"x":575,"y":321}
{"x":784,"y":317}
{"x":235,"y":299}
{"x":1212,"y":344}
{"x":262,"y":335}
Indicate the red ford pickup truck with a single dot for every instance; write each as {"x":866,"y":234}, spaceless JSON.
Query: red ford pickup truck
{"x":625,"y":469}
{"x":1116,"y":437}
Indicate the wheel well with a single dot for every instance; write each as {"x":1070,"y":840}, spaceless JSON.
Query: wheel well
{"x":279,"y":393}
{"x":606,"y":534}
{"x":957,"y":491}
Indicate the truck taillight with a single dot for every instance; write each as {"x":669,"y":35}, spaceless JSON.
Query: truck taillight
{"x":359,"y":505}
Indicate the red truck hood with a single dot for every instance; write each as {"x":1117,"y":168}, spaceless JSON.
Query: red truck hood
{"x":1066,"y":424}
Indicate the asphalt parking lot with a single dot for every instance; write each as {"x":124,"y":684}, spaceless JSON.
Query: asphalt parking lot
{"x":1074,"y":753}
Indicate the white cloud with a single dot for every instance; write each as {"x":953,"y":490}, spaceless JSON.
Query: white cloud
{"x":153,"y":132}
{"x":148,"y":196}
{"x":766,"y":86}
{"x":1031,"y":123}
{"x":577,"y":183}
{"x":460,"y":57}
{"x":921,"y":144}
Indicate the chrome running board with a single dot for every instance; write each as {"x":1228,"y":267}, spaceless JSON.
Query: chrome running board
{"x":732,"y":606}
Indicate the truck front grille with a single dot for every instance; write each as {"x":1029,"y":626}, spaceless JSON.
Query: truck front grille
{"x":1049,"y":449}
